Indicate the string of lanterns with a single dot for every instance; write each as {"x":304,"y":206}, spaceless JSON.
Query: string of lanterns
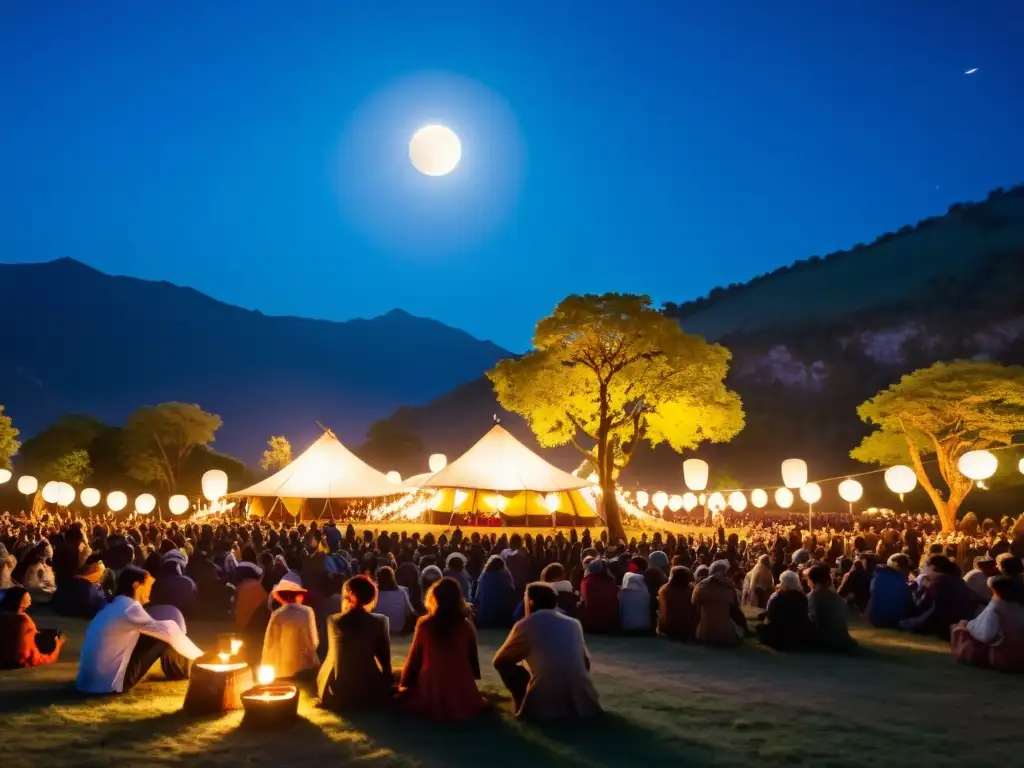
{"x":61,"y":494}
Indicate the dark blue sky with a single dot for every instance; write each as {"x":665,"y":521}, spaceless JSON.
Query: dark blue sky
{"x":255,"y":149}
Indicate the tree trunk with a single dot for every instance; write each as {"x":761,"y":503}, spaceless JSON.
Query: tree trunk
{"x":610,"y":506}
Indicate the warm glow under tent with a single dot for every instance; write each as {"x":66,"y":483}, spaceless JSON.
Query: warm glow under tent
{"x":326,"y":470}
{"x":500,"y":474}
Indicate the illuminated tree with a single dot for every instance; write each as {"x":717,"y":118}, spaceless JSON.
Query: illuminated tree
{"x":611,"y":371}
{"x":278,"y":454}
{"x":8,"y":442}
{"x":73,"y":468}
{"x":945,"y":410}
{"x":157,"y":440}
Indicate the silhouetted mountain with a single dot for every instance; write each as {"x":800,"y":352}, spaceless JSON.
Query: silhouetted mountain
{"x":80,"y":341}
{"x":812,"y":341}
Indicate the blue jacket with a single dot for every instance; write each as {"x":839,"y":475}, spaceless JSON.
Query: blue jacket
{"x":495,"y":599}
{"x":890,"y":600}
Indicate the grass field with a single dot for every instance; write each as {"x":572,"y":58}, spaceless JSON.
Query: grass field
{"x":903,"y":701}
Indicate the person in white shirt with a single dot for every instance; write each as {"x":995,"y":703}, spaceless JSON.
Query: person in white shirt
{"x":291,"y":639}
{"x":125,"y":639}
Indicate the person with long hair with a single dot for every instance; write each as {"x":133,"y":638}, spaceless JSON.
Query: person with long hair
{"x":439,"y":677}
{"x":393,"y":602}
{"x":21,"y":643}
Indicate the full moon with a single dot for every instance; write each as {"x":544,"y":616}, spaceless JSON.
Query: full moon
{"x":435,"y":150}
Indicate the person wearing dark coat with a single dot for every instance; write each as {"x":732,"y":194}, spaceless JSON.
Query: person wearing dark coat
{"x":787,"y":626}
{"x":82,"y":597}
{"x":172,"y":587}
{"x":946,"y":600}
{"x":599,"y":599}
{"x":495,"y":597}
{"x":214,"y":594}
{"x":891,"y":601}
{"x":677,"y":618}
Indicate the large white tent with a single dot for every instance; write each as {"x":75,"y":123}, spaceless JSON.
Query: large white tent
{"x":499,"y":462}
{"x":325,"y":470}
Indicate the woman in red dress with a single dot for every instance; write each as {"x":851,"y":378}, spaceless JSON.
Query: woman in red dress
{"x":439,"y":677}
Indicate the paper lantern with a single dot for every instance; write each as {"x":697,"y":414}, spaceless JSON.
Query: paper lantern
{"x":178,"y":504}
{"x":811,"y":493}
{"x":27,"y":484}
{"x":65,"y":494}
{"x":689,"y":501}
{"x":900,"y":479}
{"x":675,"y":502}
{"x":978,"y":465}
{"x":737,"y":501}
{"x":783,"y":498}
{"x":552,"y":501}
{"x":394,"y":476}
{"x":642,"y":499}
{"x":702,"y":499}
{"x":660,"y":500}
{"x":716,"y":502}
{"x":215,"y":484}
{"x":437,"y":462}
{"x":145,"y":503}
{"x":117,"y":501}
{"x":89,"y":497}
{"x":850,"y":490}
{"x":5,"y":475}
{"x":759,"y":498}
{"x":50,"y":492}
{"x":794,"y":473}
{"x":695,"y":474}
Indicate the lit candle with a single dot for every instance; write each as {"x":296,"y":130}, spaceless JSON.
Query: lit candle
{"x":265,"y":675}
{"x":223,"y":657}
{"x":236,"y":646}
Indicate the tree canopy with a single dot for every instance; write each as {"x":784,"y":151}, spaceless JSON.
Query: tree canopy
{"x":944,"y":410}
{"x":73,"y":468}
{"x":157,"y":441}
{"x":278,"y":454}
{"x":8,"y":442}
{"x":608,"y":371}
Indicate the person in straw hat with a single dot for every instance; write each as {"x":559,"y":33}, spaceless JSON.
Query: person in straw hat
{"x":291,"y":640}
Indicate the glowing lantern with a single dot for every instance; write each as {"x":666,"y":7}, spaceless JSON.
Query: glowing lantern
{"x":145,"y":503}
{"x":794,"y":473}
{"x":900,"y":479}
{"x":695,"y":474}
{"x":552,"y":501}
{"x":675,"y":502}
{"x":460,"y":496}
{"x":265,"y":674}
{"x":178,"y":504}
{"x":51,"y":492}
{"x":89,"y":497}
{"x":811,"y":493}
{"x":27,"y":484}
{"x":65,"y":494}
{"x":660,"y":500}
{"x":5,"y":475}
{"x":737,"y":501}
{"x":1020,"y":466}
{"x":759,"y":498}
{"x":117,"y":501}
{"x":215,"y":484}
{"x":716,"y":502}
{"x":783,"y":498}
{"x":978,"y":465}
{"x":702,"y":499}
{"x":689,"y":501}
{"x":850,"y":490}
{"x":394,"y":476}
{"x":437,"y":462}
{"x":642,"y":499}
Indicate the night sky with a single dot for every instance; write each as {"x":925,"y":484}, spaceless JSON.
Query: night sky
{"x":256,"y":149}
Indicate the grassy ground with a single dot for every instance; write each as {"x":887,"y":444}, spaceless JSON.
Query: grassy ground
{"x":903,"y":701}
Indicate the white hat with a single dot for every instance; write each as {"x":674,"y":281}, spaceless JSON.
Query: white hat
{"x":290,"y":582}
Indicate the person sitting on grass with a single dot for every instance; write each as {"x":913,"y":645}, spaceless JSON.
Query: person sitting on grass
{"x":555,"y":681}
{"x":759,"y":583}
{"x":439,"y":677}
{"x":495,"y":597}
{"x":599,"y":598}
{"x":568,"y":602}
{"x":787,"y":626}
{"x":455,"y":568}
{"x":945,"y":599}
{"x":677,"y":618}
{"x":891,"y":600}
{"x":291,"y":639}
{"x":357,"y":672}
{"x":126,"y":639}
{"x":21,"y":644}
{"x":173,"y":587}
{"x":827,"y":612}
{"x":977,"y":578}
{"x":720,"y":619}
{"x":82,"y":596}
{"x":634,"y":605}
{"x":393,"y":602}
{"x":994,"y":639}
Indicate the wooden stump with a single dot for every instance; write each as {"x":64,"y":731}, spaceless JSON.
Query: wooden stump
{"x":269,"y":705}
{"x":216,"y":687}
